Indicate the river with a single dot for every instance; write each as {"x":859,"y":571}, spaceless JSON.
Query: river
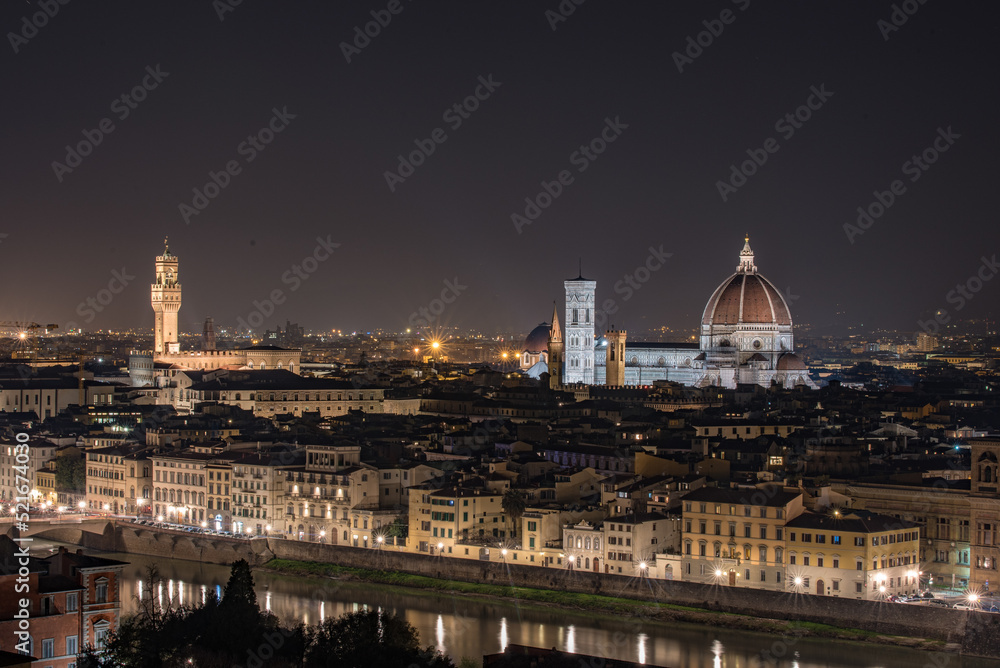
{"x":465,"y":627}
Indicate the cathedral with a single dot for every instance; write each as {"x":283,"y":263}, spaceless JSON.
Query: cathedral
{"x":746,"y":338}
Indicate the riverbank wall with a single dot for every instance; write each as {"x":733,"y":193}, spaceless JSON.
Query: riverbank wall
{"x":976,"y":633}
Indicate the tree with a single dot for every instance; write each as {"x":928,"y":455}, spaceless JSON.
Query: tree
{"x":214,"y":634}
{"x":239,"y":594}
{"x":71,"y":474}
{"x":399,"y":528}
{"x":369,"y":638}
{"x":513,"y":503}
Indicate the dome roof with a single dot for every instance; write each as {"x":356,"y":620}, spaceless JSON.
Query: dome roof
{"x":791,"y":362}
{"x":746,"y":297}
{"x":538,"y":340}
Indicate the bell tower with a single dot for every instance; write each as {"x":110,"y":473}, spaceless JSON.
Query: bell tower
{"x":579,"y":331}
{"x":555,"y":349}
{"x":615,"y":359}
{"x":165,"y":297}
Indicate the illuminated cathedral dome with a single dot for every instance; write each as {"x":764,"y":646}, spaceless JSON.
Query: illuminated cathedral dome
{"x":744,"y":317}
{"x":746,"y":297}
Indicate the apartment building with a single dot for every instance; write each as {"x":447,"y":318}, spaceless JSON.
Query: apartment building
{"x":33,"y":454}
{"x":180,"y":487}
{"x":439,"y":518}
{"x":631,"y":541}
{"x":852,"y":554}
{"x":119,"y":479}
{"x":736,"y":537}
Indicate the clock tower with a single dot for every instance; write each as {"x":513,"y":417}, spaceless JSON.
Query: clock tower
{"x":165,"y":297}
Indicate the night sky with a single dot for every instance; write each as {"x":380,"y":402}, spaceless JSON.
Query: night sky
{"x":609,"y":66}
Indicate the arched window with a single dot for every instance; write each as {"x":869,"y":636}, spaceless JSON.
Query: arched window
{"x":586,"y":543}
{"x":762,"y":553}
{"x":597,"y":543}
{"x":579,"y":543}
{"x":779,"y":555}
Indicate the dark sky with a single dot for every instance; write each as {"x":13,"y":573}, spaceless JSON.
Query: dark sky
{"x":655,"y":185}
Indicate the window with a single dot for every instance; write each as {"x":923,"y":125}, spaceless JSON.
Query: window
{"x":48,"y":648}
{"x":836,"y":563}
{"x":100,"y":634}
{"x":857,"y":587}
{"x":805,"y":561}
{"x":836,"y":540}
{"x":102,"y":591}
{"x":71,"y":646}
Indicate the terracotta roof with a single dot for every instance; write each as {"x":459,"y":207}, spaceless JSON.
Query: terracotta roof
{"x":746,"y":298}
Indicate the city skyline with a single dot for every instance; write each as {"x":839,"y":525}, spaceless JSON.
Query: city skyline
{"x":299,"y":124}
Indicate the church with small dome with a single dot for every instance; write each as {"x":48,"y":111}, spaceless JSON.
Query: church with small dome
{"x":746,"y":338}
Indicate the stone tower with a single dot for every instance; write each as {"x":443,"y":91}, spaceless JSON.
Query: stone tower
{"x":556,"y":354}
{"x":579,"y":335}
{"x":615,"y":359}
{"x":208,"y":335}
{"x":166,"y":300}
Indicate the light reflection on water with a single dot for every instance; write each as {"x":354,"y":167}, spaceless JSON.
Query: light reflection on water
{"x":472,"y":627}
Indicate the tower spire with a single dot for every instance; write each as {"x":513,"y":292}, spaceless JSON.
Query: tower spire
{"x":746,"y":265}
{"x":166,"y":246}
{"x":555,"y":332}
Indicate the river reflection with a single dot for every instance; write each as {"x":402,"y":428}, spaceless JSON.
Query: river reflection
{"x":461,"y":626}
